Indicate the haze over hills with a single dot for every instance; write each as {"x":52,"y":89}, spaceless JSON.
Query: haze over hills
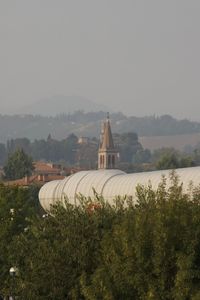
{"x":60,"y":104}
{"x":89,"y":124}
{"x":141,"y":57}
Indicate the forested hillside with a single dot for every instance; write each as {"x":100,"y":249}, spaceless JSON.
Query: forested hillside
{"x":88,"y":124}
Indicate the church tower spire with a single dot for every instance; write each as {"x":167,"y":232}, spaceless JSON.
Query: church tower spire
{"x":107,"y":155}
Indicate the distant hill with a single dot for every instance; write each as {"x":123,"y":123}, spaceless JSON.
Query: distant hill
{"x":60,"y":104}
{"x":89,"y":124}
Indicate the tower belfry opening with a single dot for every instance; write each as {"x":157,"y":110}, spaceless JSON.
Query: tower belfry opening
{"x":107,"y":154}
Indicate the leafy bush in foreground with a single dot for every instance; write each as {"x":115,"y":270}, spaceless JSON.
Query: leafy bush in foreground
{"x":147,"y":250}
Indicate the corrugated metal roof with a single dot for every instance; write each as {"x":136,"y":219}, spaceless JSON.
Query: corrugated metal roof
{"x":109,"y":184}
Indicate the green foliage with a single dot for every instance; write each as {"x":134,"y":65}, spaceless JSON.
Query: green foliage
{"x":153,"y":253}
{"x":17,"y":206}
{"x":128,"y":145}
{"x":2,"y":153}
{"x":196,"y":156}
{"x":70,"y":151}
{"x":148,"y":249}
{"x":173,"y":160}
{"x":160,"y":159}
{"x":133,"y":158}
{"x":142,"y":156}
{"x":18,"y":165}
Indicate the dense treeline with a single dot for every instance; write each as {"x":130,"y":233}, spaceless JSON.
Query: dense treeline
{"x":88,"y":124}
{"x":133,"y":158}
{"x":48,"y":149}
{"x":149,"y":249}
{"x":17,"y":155}
{"x":69,"y":151}
{"x":18,"y":165}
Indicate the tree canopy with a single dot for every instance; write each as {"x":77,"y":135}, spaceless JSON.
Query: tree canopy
{"x":144,"y":250}
{"x":17,"y":207}
{"x":18,"y":165}
{"x":168,"y":158}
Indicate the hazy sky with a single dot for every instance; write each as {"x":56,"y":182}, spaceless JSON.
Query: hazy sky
{"x":138,"y":56}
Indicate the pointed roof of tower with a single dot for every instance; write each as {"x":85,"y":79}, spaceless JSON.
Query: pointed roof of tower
{"x":107,"y":139}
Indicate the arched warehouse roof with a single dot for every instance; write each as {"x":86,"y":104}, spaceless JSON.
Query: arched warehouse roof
{"x":108,"y":183}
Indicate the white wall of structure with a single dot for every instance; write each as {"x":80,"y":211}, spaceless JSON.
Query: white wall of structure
{"x":109,"y":184}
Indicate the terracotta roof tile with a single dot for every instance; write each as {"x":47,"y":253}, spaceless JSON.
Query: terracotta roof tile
{"x":35,"y":179}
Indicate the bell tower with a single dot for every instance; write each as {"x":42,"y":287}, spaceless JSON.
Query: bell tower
{"x":107,"y":155}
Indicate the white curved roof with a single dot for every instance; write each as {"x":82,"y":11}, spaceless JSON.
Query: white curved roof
{"x":108,"y":183}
